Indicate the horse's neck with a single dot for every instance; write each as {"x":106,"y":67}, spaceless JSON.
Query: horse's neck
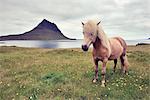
{"x":104,"y":40}
{"x":102,"y":43}
{"x":97,"y":43}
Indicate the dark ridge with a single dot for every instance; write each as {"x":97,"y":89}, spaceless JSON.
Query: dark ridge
{"x":45,"y":30}
{"x":142,"y":44}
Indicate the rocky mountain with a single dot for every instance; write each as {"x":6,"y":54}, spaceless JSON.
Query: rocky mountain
{"x":43,"y":31}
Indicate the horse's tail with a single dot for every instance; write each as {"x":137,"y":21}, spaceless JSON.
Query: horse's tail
{"x":126,"y":63}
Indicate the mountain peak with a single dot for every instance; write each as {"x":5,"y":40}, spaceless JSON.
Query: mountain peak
{"x":48,"y":25}
{"x":46,"y":21}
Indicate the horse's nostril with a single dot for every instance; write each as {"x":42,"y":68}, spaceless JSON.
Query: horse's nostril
{"x":84,"y":48}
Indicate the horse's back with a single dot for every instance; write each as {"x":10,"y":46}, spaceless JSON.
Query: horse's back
{"x":121,"y":41}
{"x":117,"y":45}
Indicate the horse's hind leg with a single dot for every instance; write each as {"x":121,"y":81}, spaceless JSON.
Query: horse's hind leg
{"x":96,"y":71}
{"x":115,"y":63}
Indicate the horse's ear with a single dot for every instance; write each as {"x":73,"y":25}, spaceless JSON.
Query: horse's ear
{"x":98,"y":23}
{"x":82,"y":23}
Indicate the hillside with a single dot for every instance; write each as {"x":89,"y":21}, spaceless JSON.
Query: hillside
{"x":43,"y":31}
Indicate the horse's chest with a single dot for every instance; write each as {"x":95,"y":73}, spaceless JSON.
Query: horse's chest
{"x":100,"y":54}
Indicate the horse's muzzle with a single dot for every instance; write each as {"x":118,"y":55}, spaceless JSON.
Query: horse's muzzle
{"x":84,"y":47}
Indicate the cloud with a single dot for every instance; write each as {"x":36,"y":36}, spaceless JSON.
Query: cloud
{"x":127,"y":18}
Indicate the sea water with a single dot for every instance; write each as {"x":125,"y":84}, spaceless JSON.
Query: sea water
{"x":56,"y":43}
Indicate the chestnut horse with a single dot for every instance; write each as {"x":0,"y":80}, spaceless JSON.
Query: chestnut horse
{"x":104,"y":48}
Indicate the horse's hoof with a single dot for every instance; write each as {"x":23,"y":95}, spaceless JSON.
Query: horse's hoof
{"x":112,"y":72}
{"x":124,"y":72}
{"x":102,"y":85}
{"x":94,"y":80}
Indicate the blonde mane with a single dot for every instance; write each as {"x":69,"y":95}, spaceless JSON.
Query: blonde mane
{"x":103,"y":37}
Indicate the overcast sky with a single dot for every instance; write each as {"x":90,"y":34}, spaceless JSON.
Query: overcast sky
{"x":129,"y":19}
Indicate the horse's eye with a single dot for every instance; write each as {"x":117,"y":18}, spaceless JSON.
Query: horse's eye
{"x":91,"y":34}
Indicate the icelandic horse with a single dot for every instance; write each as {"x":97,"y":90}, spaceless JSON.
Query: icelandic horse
{"x":104,"y":48}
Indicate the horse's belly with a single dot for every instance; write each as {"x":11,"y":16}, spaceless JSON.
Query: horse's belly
{"x":116,"y":54}
{"x":112,"y":57}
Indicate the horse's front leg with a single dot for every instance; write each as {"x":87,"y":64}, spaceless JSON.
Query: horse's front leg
{"x":103,"y":72}
{"x":96,"y":71}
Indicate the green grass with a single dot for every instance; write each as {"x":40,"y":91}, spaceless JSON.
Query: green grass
{"x":41,"y":74}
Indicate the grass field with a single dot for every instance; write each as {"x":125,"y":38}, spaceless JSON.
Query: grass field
{"x":58,"y":74}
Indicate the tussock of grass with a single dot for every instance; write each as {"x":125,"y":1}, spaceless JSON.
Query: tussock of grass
{"x":39,"y":74}
{"x":53,"y":78}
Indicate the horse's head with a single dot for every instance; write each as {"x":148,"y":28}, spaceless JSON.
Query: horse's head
{"x":90,"y":30}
